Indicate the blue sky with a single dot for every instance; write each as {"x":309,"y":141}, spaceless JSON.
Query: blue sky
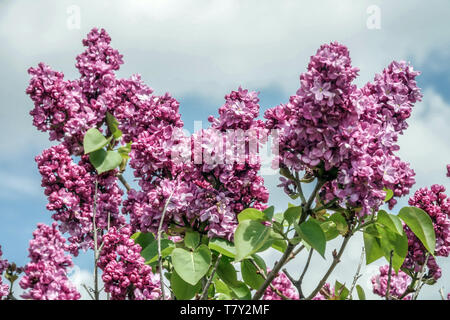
{"x":199,"y":51}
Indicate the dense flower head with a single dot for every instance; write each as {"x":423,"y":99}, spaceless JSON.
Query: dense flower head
{"x":46,"y":274}
{"x":437,"y":205}
{"x":97,"y":64}
{"x":70,"y":189}
{"x":284,"y":286}
{"x":125,"y":273}
{"x":336,"y":130}
{"x":68,"y":108}
{"x":448,"y":170}
{"x":398,"y":284}
{"x":4,"y":288}
{"x":206,"y":194}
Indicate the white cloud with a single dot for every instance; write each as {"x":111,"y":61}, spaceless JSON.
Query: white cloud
{"x":81,"y":278}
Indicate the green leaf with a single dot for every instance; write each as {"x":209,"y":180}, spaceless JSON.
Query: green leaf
{"x":312,"y":233}
{"x":249,"y":237}
{"x":191,"y":266}
{"x":389,"y":194}
{"x":266,"y":245}
{"x":241,"y":291}
{"x":143,"y":238}
{"x":361,"y":293}
{"x":105,"y":160}
{"x":113,"y":125}
{"x":251,"y":214}
{"x":269,"y":212}
{"x":391,"y":241}
{"x":341,"y":290}
{"x":94,"y":140}
{"x":182,"y":289}
{"x":341,"y":223}
{"x":372,"y":245}
{"x":390,"y":221}
{"x":192,"y":239}
{"x":292,"y":214}
{"x":330,"y":230}
{"x":227,"y":273}
{"x":222,"y":246}
{"x":280,"y":245}
{"x":222,"y":288}
{"x":421,"y":224}
{"x":251,"y":275}
{"x":124,"y":151}
{"x":150,"y":252}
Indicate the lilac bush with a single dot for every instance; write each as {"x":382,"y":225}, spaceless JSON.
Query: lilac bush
{"x":197,"y":213}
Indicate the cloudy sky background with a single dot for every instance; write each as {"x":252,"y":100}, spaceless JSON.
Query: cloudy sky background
{"x":199,"y":51}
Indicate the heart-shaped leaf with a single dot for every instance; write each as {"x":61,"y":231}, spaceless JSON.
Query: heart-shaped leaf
{"x":191,"y":266}
{"x":182,"y":289}
{"x":105,"y":160}
{"x":94,"y":140}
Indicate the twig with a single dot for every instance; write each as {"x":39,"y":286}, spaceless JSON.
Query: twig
{"x":388,"y":287}
{"x":319,"y":185}
{"x":295,"y":253}
{"x":124,"y":182}
{"x":298,"y":283}
{"x":422,"y":272}
{"x":357,"y":274}
{"x":204,"y":295}
{"x":273,"y":273}
{"x":336,"y":260}
{"x":87,"y":290}
{"x":96,"y":252}
{"x":441,"y":292}
{"x":278,"y":292}
{"x":159,"y":246}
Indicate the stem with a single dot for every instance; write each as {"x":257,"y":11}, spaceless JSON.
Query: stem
{"x":357,"y":274}
{"x":336,"y":260}
{"x":159,"y":246}
{"x":298,"y":284}
{"x":319,"y":185}
{"x":96,"y":251}
{"x":272,"y":274}
{"x":124,"y":182}
{"x":295,"y":253}
{"x":87,"y":290}
{"x":388,"y":287}
{"x":298,"y":184}
{"x":278,"y":292}
{"x":441,"y":292}
{"x":204,"y":295}
{"x":422,"y":272}
{"x":287,"y":253}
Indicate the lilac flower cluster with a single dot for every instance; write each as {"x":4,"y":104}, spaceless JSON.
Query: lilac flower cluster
{"x":125,"y":273}
{"x":67,"y":109}
{"x":70,"y":189}
{"x":436,"y":203}
{"x":46,"y":275}
{"x":347,"y":136}
{"x":398,"y":284}
{"x":208,"y":195}
{"x":4,"y":288}
{"x":284,"y":286}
